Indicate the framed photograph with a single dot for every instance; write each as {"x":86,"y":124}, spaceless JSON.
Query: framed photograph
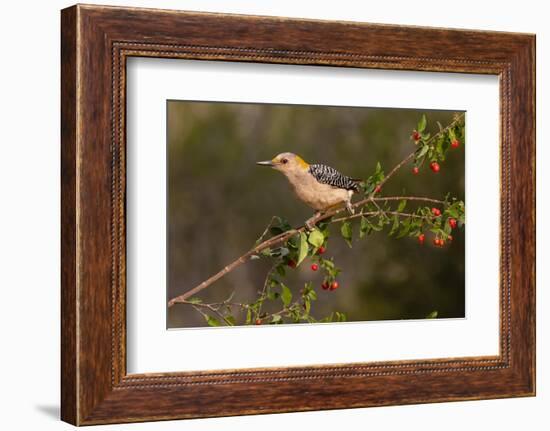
{"x":289,"y":207}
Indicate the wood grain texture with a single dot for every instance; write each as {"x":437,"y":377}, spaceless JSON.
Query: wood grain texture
{"x":69,"y":397}
{"x":96,"y":41}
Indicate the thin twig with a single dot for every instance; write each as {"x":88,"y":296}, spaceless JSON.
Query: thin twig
{"x":265,"y":232}
{"x":264,"y":288}
{"x":374,"y":213}
{"x":197,"y":305}
{"x":220,"y":304}
{"x":409,"y":198}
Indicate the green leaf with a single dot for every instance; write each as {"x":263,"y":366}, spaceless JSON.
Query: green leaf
{"x":323,"y":226}
{"x":452,"y":134}
{"x":383,"y":220}
{"x":405,"y":227}
{"x":445,"y":143}
{"x":347,"y":232}
{"x":455,"y":209}
{"x":378,"y":227}
{"x":439,"y":150}
{"x":395,"y":225}
{"x":422,"y":151}
{"x":212,"y":321}
{"x":303,"y":248}
{"x":286,"y":295}
{"x":421,"y":124}
{"x":293,"y":242}
{"x":307,"y":306}
{"x":365,"y":227}
{"x":379,"y":174}
{"x":326,"y":263}
{"x":248,"y":316}
{"x":231,"y":320}
{"x":432,"y":315}
{"x":401,"y":206}
{"x":316,"y":238}
{"x":312,"y":295}
{"x":280,"y":225}
{"x":277,"y":319}
{"x":309,"y":292}
{"x":340,"y":317}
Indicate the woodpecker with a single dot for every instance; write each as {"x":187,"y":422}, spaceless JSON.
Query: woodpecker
{"x":319,"y":186}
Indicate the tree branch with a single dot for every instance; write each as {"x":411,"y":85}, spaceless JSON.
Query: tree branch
{"x":278,"y":239}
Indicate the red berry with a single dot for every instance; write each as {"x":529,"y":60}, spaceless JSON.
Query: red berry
{"x":455,"y":143}
{"x":439,"y":242}
{"x":421,"y":238}
{"x":452,"y":223}
{"x":450,"y":237}
{"x":434,"y":166}
{"x":377,"y":188}
{"x":325,"y":286}
{"x":436,"y":212}
{"x":416,"y":170}
{"x":258,"y":322}
{"x":314,"y":267}
{"x":415,"y":135}
{"x":321,"y":250}
{"x":292,"y":263}
{"x":334,"y":285}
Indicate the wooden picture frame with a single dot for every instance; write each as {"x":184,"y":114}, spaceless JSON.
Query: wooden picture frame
{"x":95,"y":43}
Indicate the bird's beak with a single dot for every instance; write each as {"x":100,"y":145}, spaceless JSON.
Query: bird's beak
{"x":266,"y":163}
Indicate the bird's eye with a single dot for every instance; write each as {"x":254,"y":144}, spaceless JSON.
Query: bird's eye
{"x":284,"y":161}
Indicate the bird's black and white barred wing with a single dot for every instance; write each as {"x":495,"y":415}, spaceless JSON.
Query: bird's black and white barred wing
{"x":327,"y":175}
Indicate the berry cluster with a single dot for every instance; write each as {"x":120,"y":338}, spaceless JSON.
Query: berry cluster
{"x":328,"y":284}
{"x":434,"y":151}
{"x":433,"y":148}
{"x":439,"y":242}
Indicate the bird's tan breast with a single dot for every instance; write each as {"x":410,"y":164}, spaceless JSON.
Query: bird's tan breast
{"x":317,"y":195}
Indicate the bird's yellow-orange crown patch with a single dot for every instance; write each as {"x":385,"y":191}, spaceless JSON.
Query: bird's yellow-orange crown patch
{"x":302,"y":162}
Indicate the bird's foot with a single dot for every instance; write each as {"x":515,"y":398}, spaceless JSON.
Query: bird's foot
{"x":312,"y":221}
{"x":350,"y":207}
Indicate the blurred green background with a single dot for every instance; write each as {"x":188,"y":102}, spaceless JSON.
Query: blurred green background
{"x":220,"y":201}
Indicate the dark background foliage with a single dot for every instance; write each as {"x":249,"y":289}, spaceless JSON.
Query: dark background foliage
{"x":220,"y":203}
